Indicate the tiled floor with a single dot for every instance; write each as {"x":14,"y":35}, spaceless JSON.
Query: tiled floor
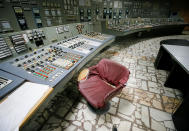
{"x":145,"y":104}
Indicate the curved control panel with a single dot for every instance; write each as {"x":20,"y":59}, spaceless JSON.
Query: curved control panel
{"x":50,"y":64}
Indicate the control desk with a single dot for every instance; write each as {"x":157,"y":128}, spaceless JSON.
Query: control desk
{"x":50,"y":64}
{"x":144,"y":25}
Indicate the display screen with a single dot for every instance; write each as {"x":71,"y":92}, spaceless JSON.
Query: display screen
{"x":58,"y":12}
{"x":5,"y":24}
{"x":53,"y":12}
{"x":22,"y":21}
{"x":38,"y":20}
{"x":60,"y":20}
{"x":49,"y":23}
{"x":35,"y":10}
{"x":18,"y":9}
{"x":47,"y":12}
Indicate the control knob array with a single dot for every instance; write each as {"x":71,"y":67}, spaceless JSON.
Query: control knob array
{"x":76,"y":45}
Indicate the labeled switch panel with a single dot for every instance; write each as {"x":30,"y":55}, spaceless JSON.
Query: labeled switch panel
{"x":4,"y":82}
{"x":19,"y":43}
{"x":4,"y":49}
{"x":79,"y":44}
{"x":67,"y":61}
{"x":96,"y":36}
{"x":82,"y":15}
{"x":37,"y":17}
{"x":62,"y":29}
{"x":51,"y":63}
{"x":136,"y":23}
{"x":20,"y":17}
{"x":8,"y":82}
{"x":43,"y":72}
{"x":35,"y":34}
{"x":46,"y":66}
{"x":30,"y":14}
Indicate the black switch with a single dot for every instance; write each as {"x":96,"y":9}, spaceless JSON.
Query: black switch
{"x":19,"y":65}
{"x":16,"y":59}
{"x":30,"y":48}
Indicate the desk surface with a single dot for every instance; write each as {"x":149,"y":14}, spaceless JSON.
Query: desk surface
{"x":180,"y":54}
{"x":20,"y":104}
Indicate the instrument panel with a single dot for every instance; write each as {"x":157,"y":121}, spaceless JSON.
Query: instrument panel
{"x":48,"y":64}
{"x":8,"y":83}
{"x":19,"y":43}
{"x":31,"y":14}
{"x":4,"y":49}
{"x":79,"y":44}
{"x":96,"y":36}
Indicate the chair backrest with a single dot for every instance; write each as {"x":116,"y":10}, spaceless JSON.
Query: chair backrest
{"x":114,"y":73}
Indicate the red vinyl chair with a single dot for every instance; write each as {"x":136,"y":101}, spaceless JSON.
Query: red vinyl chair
{"x":100,"y":83}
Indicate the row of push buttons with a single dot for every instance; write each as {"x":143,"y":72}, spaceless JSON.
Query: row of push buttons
{"x":56,"y":75}
{"x":43,"y":73}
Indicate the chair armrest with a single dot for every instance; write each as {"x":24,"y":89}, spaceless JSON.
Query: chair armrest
{"x":114,"y":92}
{"x":83,"y":75}
{"x":93,"y":70}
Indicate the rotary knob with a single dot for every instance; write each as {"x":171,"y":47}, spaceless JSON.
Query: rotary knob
{"x":19,"y":65}
{"x":16,"y":60}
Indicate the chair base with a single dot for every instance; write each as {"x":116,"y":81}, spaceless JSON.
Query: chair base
{"x":100,"y":111}
{"x":114,"y":128}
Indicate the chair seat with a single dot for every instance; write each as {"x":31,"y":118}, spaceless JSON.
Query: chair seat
{"x":94,"y":90}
